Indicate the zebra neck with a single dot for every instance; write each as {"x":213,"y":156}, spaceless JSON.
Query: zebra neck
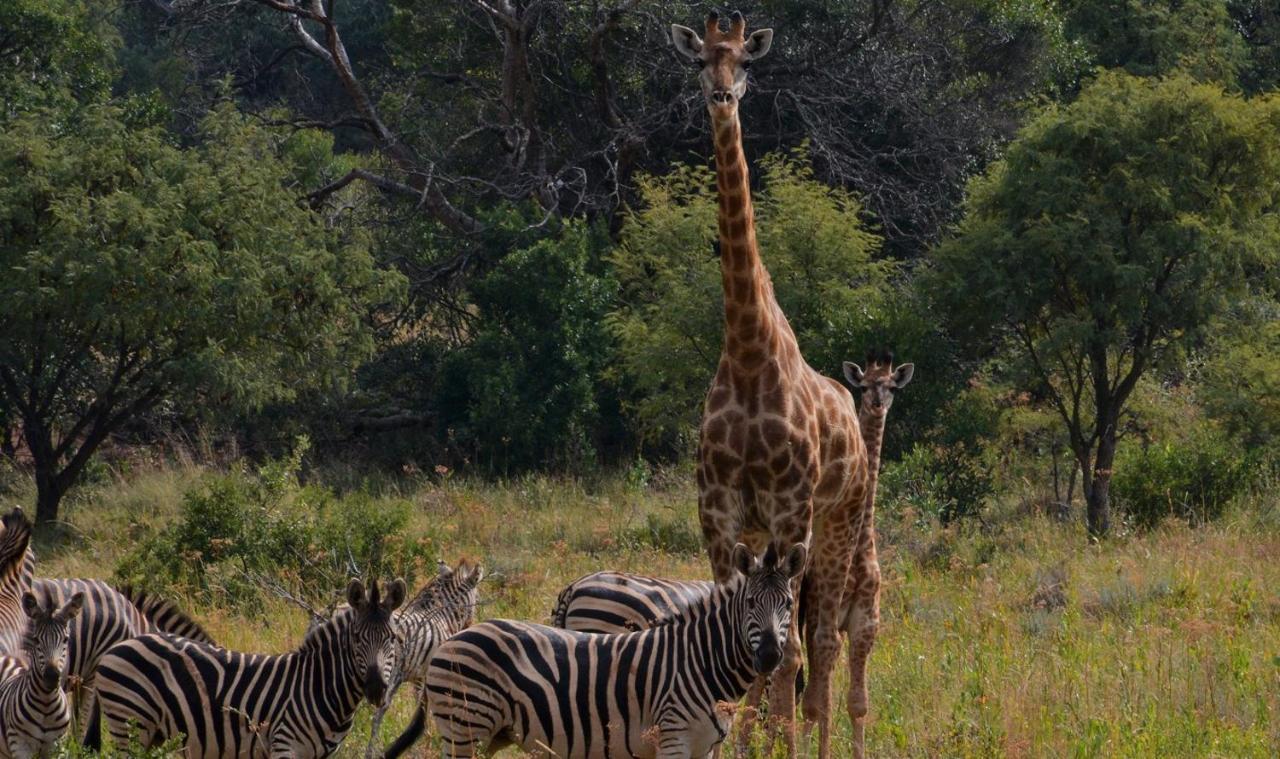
{"x":328,"y":673}
{"x":727,"y":661}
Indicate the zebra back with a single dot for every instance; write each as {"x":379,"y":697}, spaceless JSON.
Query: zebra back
{"x":615,"y":602}
{"x":164,"y":615}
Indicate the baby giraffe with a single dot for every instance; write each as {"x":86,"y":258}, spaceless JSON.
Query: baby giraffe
{"x":861,"y":606}
{"x":34,"y":711}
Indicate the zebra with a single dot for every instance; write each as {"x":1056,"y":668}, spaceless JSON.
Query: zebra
{"x":108,"y":617}
{"x":220,"y":703}
{"x":616,"y":602}
{"x":658,"y":692}
{"x":442,"y":608}
{"x":34,"y":712}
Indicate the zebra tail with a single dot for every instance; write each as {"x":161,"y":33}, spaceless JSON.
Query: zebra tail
{"x":93,"y":733}
{"x":165,"y":615}
{"x":560,"y":615}
{"x":411,"y":734}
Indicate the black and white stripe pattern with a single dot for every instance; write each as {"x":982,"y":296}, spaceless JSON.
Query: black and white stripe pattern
{"x":222,"y":703}
{"x":617,"y":602}
{"x":34,"y":712}
{"x":654,"y":692}
{"x":443,"y":607}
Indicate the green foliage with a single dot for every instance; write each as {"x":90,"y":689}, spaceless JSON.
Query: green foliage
{"x":1109,"y":238}
{"x":669,"y":324}
{"x":135,"y":271}
{"x":57,"y":53}
{"x":1240,"y":382}
{"x":1158,"y":37}
{"x":523,"y":390}
{"x":1192,"y":479}
{"x":239,"y":532}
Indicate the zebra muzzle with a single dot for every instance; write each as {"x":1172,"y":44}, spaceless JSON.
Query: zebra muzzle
{"x":767,"y":657}
{"x":375,"y":689}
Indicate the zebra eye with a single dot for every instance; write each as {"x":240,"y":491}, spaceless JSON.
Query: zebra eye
{"x":751,"y":603}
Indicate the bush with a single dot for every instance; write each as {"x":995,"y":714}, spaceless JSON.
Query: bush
{"x":240,"y":532}
{"x":1193,"y":479}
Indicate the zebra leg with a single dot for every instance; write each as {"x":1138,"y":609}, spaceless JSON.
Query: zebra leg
{"x":375,"y":728}
{"x":862,"y":624}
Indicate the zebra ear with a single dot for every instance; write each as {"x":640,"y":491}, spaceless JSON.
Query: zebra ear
{"x":71,"y":608}
{"x":355,"y":593}
{"x":395,"y":595}
{"x":742,"y":559}
{"x":442,"y":569}
{"x":30,"y":605}
{"x":477,"y":574}
{"x":796,"y":558}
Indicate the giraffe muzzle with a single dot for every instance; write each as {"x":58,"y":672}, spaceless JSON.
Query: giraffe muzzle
{"x":722,"y":98}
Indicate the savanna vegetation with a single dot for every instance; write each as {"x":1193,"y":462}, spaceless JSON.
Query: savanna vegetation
{"x":291,"y":291}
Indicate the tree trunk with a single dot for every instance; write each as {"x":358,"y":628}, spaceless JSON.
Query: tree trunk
{"x":49,"y":491}
{"x":1098,"y":496}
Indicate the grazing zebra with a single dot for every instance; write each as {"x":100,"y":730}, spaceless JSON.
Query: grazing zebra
{"x":442,"y":608}
{"x":222,"y":703}
{"x":34,"y":712}
{"x":108,"y":616}
{"x":617,"y":602}
{"x":658,"y":692}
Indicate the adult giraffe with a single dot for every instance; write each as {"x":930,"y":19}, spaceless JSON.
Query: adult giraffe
{"x":780,"y":458}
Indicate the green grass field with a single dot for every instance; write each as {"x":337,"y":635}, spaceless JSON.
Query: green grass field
{"x":1013,"y":638}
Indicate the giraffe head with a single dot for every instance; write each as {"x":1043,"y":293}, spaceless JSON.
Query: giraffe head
{"x":767,"y":598}
{"x":723,"y":58}
{"x":880,"y":380}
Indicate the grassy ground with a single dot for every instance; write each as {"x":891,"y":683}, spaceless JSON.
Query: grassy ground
{"x":1011,"y":639}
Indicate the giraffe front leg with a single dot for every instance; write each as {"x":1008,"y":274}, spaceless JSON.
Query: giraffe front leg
{"x":720,"y":514}
{"x":828,"y":576}
{"x":862,"y":624}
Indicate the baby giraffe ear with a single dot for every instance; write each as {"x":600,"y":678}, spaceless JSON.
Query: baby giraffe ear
{"x":903,"y":375}
{"x":30,"y":605}
{"x":853,"y":373}
{"x":71,"y":608}
{"x":395,"y":591}
{"x":687,"y":42}
{"x":742,"y":559}
{"x":758,"y":44}
{"x":355,"y":593}
{"x":796,"y":558}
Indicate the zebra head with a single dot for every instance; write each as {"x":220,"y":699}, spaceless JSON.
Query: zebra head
{"x":45,"y":641}
{"x":374,"y":636}
{"x":766,"y":601}
{"x":451,"y":596}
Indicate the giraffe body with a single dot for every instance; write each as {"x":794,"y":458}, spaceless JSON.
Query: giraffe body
{"x":780,"y":457}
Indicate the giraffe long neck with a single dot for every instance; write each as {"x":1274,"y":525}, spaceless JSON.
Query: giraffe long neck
{"x":750,"y":314}
{"x":871,"y":423}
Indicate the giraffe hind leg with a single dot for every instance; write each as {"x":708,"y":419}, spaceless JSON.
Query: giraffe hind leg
{"x":862,"y":625}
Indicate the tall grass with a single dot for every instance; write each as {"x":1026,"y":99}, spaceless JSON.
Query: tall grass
{"x":1011,"y":638}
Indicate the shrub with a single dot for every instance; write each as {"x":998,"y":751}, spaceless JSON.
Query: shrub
{"x":1193,"y":479}
{"x":239,"y":532}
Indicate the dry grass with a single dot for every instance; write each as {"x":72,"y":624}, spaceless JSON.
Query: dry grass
{"x":1015,"y":640}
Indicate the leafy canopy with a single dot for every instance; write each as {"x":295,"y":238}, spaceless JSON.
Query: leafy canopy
{"x":135,"y":270}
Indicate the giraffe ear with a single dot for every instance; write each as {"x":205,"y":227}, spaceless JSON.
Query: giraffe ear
{"x":853,"y":373}
{"x":687,"y":42}
{"x":903,"y":375}
{"x":758,"y":44}
{"x":796,"y":558}
{"x":742,"y":559}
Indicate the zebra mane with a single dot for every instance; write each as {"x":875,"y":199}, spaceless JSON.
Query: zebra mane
{"x":317,"y":634}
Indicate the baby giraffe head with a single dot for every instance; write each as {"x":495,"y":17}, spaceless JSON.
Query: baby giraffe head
{"x":880,"y":380}
{"x":723,"y":59}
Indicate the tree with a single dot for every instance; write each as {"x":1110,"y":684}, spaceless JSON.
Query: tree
{"x":1108,"y":238}
{"x":819,"y":252}
{"x":135,"y":271}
